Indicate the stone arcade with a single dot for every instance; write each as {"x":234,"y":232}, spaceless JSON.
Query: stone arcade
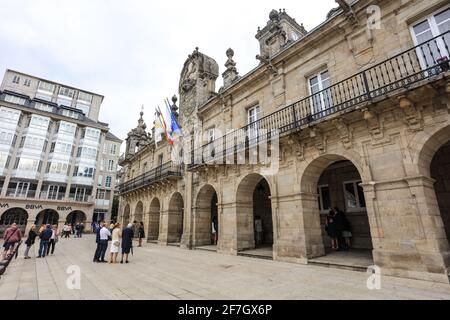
{"x":364,"y":122}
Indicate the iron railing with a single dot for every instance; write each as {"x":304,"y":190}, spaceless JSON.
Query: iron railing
{"x":165,"y":171}
{"x":418,"y":63}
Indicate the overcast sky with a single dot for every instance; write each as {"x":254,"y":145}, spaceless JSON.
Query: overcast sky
{"x":132,"y":51}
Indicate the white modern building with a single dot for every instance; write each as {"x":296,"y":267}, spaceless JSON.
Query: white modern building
{"x":58,"y":162}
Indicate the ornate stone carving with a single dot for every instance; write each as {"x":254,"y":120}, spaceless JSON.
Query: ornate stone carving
{"x":319,"y":140}
{"x":231,"y":74}
{"x":413,"y":114}
{"x":344,"y":132}
{"x":373,"y":123}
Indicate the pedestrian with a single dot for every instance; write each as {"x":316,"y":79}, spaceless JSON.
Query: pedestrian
{"x":30,"y":240}
{"x":141,"y":233}
{"x":104,"y":237}
{"x":347,"y":233}
{"x":97,"y":241}
{"x":127,"y":242}
{"x":115,"y":244}
{"x":45,"y":238}
{"x":330,"y":228}
{"x":339,"y":218}
{"x":81,"y":230}
{"x":77,"y":230}
{"x":53,"y":240}
{"x":66,"y":231}
{"x":214,"y":230}
{"x":12,"y":236}
{"x":259,"y":231}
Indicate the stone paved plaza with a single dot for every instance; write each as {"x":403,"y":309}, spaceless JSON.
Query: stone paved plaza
{"x":169,"y":273}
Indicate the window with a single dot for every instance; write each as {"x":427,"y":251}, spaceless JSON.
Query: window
{"x":113,"y":149}
{"x":6,"y":138}
{"x":253,"y":115}
{"x":70,"y":113}
{"x":16,"y":80}
{"x":25,"y":164}
{"x":27,"y":83}
{"x":46,"y":86}
{"x":432,"y":27}
{"x":92,"y":134}
{"x":321,"y":99}
{"x":211,"y":135}
{"x":65,"y":127}
{"x":354,"y":196}
{"x":108,"y":182}
{"x":39,"y":122}
{"x":86,"y":172}
{"x":9,"y":114}
{"x":85,"y":97}
{"x":4,"y":159}
{"x":324,"y":198}
{"x":59,"y":168}
{"x":43,"y":107}
{"x":160,"y":160}
{"x":66,"y":92}
{"x":111,"y":165}
{"x":15,"y":99}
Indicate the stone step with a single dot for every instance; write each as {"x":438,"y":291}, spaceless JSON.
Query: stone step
{"x":357,"y":268}
{"x":255,"y":256}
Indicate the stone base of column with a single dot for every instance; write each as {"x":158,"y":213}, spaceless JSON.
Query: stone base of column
{"x":287,"y":251}
{"x":419,"y":266}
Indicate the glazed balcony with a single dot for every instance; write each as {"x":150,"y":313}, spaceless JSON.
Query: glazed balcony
{"x":168,"y":171}
{"x":377,"y":83}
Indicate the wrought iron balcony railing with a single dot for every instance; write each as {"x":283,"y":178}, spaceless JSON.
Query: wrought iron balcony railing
{"x":166,"y":171}
{"x":418,"y":63}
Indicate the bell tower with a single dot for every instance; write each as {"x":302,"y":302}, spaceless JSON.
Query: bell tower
{"x":137,"y":138}
{"x":281,"y":29}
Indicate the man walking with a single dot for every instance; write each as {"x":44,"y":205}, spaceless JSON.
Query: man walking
{"x":45,"y":238}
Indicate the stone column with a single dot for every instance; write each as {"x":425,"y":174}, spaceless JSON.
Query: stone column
{"x":312,"y":239}
{"x":411,"y":240}
{"x":227,"y":243}
{"x":164,"y":228}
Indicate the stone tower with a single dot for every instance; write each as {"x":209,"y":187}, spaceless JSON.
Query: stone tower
{"x":197,"y":85}
{"x":279,"y":32}
{"x":137,"y":138}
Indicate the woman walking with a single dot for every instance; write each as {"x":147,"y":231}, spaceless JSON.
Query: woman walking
{"x":141,"y":233}
{"x":30,"y":240}
{"x":115,"y":243}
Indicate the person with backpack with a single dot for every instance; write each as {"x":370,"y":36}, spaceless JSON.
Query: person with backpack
{"x":12,"y":236}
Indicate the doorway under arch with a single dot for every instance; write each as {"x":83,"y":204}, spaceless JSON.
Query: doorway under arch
{"x":154,"y":220}
{"x":139,"y":212}
{"x":176,"y":218}
{"x":126,"y":215}
{"x":76,"y":217}
{"x":48,"y":216}
{"x":254,"y":214}
{"x":207,"y":212}
{"x":338,"y":183}
{"x":14,"y":215}
{"x":440,"y":172}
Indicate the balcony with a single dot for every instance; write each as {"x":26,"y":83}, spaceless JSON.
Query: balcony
{"x":167,"y":171}
{"x":14,"y":193}
{"x":52,"y":196}
{"x":374,"y":84}
{"x":102,"y":203}
{"x":81,"y":198}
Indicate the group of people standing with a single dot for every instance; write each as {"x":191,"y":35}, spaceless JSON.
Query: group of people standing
{"x":121,"y":241}
{"x":338,"y":228}
{"x":76,"y":229}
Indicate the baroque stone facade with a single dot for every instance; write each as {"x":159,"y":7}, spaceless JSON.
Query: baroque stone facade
{"x":364,"y":121}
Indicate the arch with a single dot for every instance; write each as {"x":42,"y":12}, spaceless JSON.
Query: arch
{"x":48,"y":216}
{"x":341,"y":177}
{"x":126,"y":215}
{"x":139,"y":212}
{"x":254,"y":212}
{"x":14,"y":215}
{"x":154,"y":220}
{"x":206,"y":211}
{"x":176,"y":218}
{"x":76,"y":217}
{"x":429,"y":143}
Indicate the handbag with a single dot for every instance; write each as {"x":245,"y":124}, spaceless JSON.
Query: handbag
{"x":6,"y":241}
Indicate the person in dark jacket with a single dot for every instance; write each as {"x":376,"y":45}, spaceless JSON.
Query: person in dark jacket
{"x":330,"y":228}
{"x":97,"y":241}
{"x":30,"y":240}
{"x":127,"y":242}
{"x":339,"y":218}
{"x":141,"y":233}
{"x":45,"y":237}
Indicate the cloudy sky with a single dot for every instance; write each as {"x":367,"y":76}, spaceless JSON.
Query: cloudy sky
{"x":132,"y":51}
